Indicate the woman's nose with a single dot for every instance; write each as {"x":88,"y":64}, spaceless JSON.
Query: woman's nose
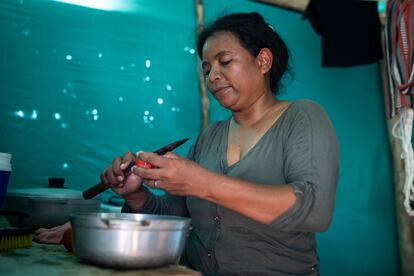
{"x":214,"y":75}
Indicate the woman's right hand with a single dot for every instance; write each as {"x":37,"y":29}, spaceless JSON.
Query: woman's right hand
{"x":127,"y":185}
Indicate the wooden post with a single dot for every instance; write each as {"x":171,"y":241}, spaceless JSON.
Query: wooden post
{"x":404,"y":221}
{"x":205,"y":102}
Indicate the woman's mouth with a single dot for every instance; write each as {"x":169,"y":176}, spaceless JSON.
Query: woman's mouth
{"x":220,"y":92}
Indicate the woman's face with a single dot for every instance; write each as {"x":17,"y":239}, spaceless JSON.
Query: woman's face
{"x":233,"y":74}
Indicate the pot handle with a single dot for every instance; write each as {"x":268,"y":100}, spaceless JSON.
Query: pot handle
{"x":114,"y":222}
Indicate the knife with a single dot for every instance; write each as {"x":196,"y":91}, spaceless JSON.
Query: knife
{"x":100,"y":187}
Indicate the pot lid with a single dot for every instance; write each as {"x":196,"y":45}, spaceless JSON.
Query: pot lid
{"x":46,"y":193}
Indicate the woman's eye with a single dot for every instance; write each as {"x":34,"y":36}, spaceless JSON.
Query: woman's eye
{"x":225,"y":62}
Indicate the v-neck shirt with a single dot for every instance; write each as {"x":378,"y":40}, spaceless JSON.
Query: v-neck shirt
{"x":300,"y":149}
{"x":226,"y":134}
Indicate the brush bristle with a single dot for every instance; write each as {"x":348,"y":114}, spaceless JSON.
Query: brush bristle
{"x":14,"y":238}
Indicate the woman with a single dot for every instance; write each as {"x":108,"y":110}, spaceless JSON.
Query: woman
{"x":257,"y":185}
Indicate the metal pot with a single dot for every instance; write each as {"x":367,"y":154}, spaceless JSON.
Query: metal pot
{"x":46,"y":207}
{"x":120,"y":240}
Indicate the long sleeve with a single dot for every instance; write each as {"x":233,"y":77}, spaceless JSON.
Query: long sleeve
{"x":311,"y":168}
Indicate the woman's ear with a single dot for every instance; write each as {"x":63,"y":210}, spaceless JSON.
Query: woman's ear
{"x":265,"y":60}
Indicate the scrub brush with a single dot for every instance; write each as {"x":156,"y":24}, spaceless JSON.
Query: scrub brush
{"x":15,"y":237}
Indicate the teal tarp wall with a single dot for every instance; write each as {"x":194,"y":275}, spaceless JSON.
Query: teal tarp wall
{"x":79,"y":86}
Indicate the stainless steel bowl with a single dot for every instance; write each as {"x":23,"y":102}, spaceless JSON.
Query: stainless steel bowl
{"x":120,"y":240}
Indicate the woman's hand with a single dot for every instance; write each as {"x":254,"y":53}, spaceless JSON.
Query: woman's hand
{"x":125,"y":184}
{"x":174,"y":174}
{"x":52,"y":235}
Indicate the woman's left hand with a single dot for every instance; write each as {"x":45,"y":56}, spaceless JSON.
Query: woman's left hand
{"x":173,"y":173}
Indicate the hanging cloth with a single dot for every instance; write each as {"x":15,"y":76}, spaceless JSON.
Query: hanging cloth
{"x":399,"y":44}
{"x":350,"y":31}
{"x":399,"y":34}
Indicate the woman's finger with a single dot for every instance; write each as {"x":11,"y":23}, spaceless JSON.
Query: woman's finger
{"x":116,"y":166}
{"x":111,"y":178}
{"x":154,"y":184}
{"x":172,"y":155}
{"x":148,"y":174}
{"x":103,"y":177}
{"x":152,"y":158}
{"x":126,"y":160}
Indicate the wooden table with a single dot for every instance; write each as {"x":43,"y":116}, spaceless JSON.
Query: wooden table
{"x":48,"y":260}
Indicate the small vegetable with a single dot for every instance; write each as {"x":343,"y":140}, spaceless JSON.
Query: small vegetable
{"x":143,"y":164}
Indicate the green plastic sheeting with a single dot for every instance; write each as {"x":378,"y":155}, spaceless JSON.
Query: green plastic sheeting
{"x":80,"y":85}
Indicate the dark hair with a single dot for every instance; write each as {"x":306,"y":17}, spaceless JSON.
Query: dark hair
{"x":254,"y":34}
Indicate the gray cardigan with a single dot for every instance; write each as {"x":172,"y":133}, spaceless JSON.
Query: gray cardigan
{"x":299,"y":150}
